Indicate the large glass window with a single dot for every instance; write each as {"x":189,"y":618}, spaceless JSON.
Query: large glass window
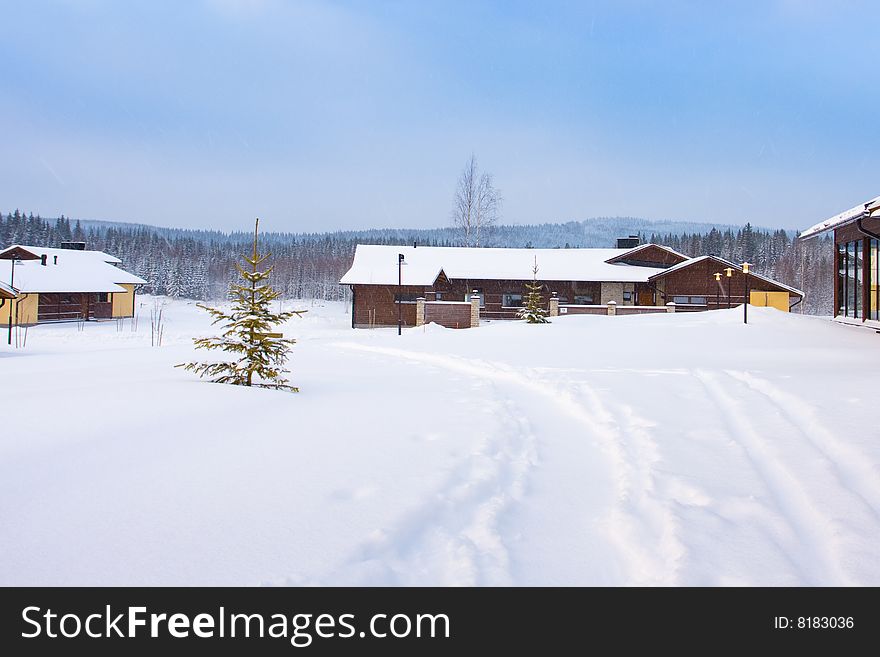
{"x":841,"y":279}
{"x":874,"y":268}
{"x":850,"y":279}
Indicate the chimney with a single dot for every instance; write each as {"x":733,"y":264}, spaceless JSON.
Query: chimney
{"x":43,"y":259}
{"x":415,"y":244}
{"x":55,"y":262}
{"x":630,"y":242}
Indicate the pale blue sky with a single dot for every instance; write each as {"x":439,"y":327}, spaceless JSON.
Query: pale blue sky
{"x":325,"y":115}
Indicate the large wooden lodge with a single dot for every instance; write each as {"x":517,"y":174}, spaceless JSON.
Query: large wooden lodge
{"x":66,"y":284}
{"x":857,"y":262}
{"x":633,"y":278}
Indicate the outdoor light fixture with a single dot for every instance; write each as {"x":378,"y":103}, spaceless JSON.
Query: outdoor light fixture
{"x":717,"y":289}
{"x":745,"y":270}
{"x":400,"y":264}
{"x":729,"y":271}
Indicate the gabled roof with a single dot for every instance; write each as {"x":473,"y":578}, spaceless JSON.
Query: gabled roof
{"x":724,"y":264}
{"x":633,"y":254}
{"x":861,"y":211}
{"x":377,"y":265}
{"x":68,"y":271}
{"x":6,"y":292}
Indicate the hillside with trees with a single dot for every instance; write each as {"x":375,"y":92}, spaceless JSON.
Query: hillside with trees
{"x":199,"y":264}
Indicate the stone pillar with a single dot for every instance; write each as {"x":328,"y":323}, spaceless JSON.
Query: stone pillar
{"x":420,"y":311}
{"x":475,"y":310}
{"x":612,"y":307}
{"x":670,"y":307}
{"x":554,"y":306}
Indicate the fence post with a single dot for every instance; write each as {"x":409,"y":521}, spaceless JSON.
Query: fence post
{"x":612,"y":307}
{"x":554,"y":306}
{"x":420,"y":311}
{"x":670,"y":307}
{"x":475,"y":310}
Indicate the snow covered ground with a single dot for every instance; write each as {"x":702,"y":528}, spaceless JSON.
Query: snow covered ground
{"x":656,"y":450}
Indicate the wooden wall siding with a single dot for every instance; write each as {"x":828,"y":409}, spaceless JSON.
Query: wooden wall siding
{"x":850,"y":232}
{"x":72,"y":306}
{"x":373,"y":305}
{"x":652,"y":256}
{"x":450,"y":315}
{"x":699,"y":280}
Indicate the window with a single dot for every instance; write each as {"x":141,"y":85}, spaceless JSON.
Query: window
{"x":689,"y":301}
{"x":874,"y":268}
{"x":627,"y":295}
{"x":841,"y":279}
{"x":850,"y":279}
{"x":511,"y":300}
{"x":583,"y":299}
{"x":99,"y":297}
{"x":408,"y":297}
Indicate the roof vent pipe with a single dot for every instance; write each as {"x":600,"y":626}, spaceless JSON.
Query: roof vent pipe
{"x":415,"y":244}
{"x":43,"y":259}
{"x":55,"y":262}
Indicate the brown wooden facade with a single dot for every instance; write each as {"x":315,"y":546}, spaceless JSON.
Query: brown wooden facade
{"x":694,"y":286}
{"x":73,"y":306}
{"x":857,"y":260}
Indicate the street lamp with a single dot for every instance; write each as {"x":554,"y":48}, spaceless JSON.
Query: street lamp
{"x":729,"y":271}
{"x":746,"y":266}
{"x":717,"y":288}
{"x":400,"y":264}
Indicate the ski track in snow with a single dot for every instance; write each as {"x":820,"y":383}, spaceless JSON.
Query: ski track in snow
{"x":641,"y":525}
{"x":453,"y":538}
{"x":852,"y":469}
{"x":821,"y":543}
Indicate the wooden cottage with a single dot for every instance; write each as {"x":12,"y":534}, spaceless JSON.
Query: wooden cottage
{"x":857,"y":262}
{"x":644,"y":278}
{"x":65,"y":284}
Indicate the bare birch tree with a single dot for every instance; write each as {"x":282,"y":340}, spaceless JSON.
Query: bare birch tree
{"x":476,"y":206}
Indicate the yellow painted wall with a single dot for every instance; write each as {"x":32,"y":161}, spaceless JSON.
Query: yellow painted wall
{"x":24,"y":306}
{"x":123,"y":302}
{"x":778,"y":300}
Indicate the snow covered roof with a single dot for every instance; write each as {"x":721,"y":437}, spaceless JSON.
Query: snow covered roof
{"x":869,"y":209}
{"x":724,"y":263}
{"x":631,"y":253}
{"x":6,"y":292}
{"x":68,"y":270}
{"x":377,"y":265}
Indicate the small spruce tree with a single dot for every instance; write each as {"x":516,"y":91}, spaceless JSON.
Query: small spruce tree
{"x":247,"y":332}
{"x":532,"y":311}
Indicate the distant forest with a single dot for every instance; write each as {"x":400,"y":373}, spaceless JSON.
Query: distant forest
{"x":199,"y":264}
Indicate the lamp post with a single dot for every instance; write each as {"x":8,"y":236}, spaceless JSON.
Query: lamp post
{"x":399,"y":293}
{"x":746,"y":266}
{"x":729,"y":272}
{"x":717,"y":288}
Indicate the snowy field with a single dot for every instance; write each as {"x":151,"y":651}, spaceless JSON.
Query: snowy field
{"x":681,"y":449}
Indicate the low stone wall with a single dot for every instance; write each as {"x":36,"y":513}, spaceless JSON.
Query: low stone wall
{"x":566,"y":309}
{"x":611,"y":308}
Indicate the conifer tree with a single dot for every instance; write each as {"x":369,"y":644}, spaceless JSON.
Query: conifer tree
{"x":247,"y":332}
{"x":532,"y":311}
